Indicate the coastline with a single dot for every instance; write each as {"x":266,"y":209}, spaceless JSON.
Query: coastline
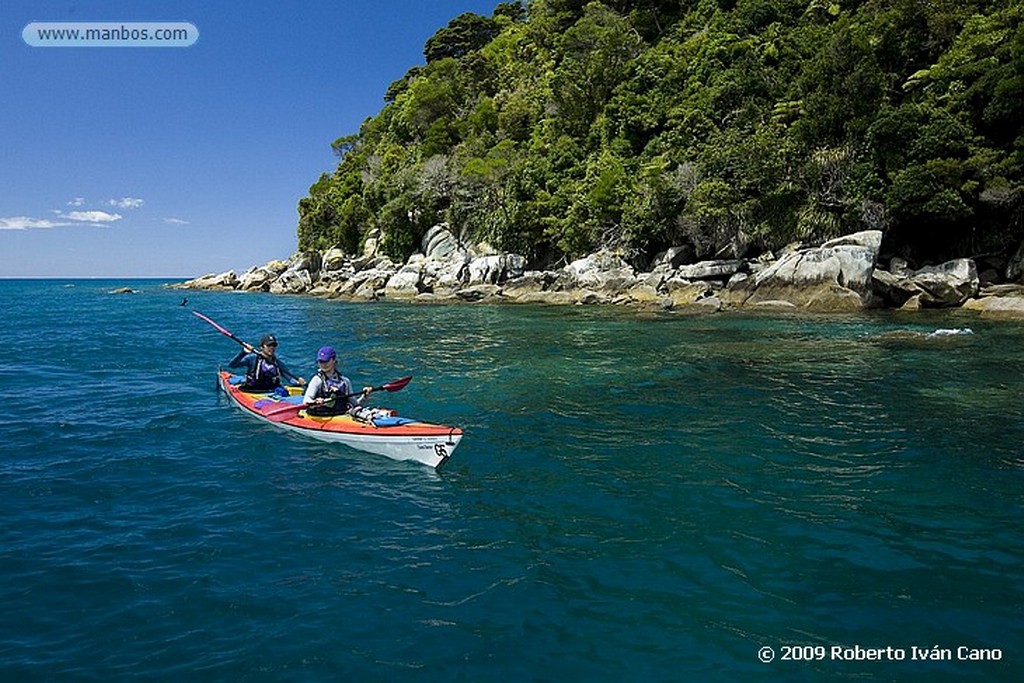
{"x":840,"y":276}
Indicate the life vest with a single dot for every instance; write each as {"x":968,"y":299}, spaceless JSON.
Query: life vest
{"x":263,"y":375}
{"x":331,"y":388}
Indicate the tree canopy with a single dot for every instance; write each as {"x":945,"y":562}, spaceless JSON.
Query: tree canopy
{"x":561,"y":126}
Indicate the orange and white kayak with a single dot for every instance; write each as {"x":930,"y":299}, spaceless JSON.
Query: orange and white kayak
{"x":392,"y":436}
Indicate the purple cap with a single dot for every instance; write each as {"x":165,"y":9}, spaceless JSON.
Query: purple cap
{"x":326,"y":353}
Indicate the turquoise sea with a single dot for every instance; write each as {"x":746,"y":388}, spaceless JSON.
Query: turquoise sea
{"x":638,"y":497}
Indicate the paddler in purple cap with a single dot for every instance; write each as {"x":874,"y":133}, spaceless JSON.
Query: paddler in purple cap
{"x":327,"y":392}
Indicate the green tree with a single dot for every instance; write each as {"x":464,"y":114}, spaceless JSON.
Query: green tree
{"x":728,"y":124}
{"x":595,"y":53}
{"x":463,"y":34}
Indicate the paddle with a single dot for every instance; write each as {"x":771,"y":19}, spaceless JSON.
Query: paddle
{"x":222,"y":330}
{"x":282,"y":413}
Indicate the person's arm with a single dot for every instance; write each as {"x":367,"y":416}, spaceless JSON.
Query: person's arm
{"x":244,"y":358}
{"x":312,"y":389}
{"x":357,"y":400}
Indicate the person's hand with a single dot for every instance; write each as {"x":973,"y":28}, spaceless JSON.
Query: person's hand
{"x":367,"y":391}
{"x":249,"y":348}
{"x":300,"y":381}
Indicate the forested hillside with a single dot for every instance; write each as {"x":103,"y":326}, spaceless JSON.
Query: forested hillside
{"x":557,"y":127}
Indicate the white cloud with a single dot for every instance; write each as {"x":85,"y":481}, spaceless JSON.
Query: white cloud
{"x":93,"y":216}
{"x":26,"y":223}
{"x":127,"y":202}
{"x":70,"y":218}
{"x":175,"y":221}
{"x":79,"y":217}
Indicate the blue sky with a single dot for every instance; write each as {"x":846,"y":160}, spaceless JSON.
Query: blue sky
{"x":181,"y":161}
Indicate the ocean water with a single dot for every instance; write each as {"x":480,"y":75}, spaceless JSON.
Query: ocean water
{"x":638,"y":497}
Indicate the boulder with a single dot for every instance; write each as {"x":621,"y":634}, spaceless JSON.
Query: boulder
{"x":602,"y":272}
{"x":496,"y":269}
{"x":946,"y":285}
{"x":642,"y":293}
{"x":899,"y":266}
{"x":367,"y":284}
{"x":833,"y":277}
{"x":1002,"y":290}
{"x":673,"y":257}
{"x":709,"y":270}
{"x":894,"y":289}
{"x":1015,"y":266}
{"x":228,"y":280}
{"x":486,"y":270}
{"x":370,"y":288}
{"x":329,"y":278}
{"x":292,"y":282}
{"x":444,"y":276}
{"x":683,"y":292}
{"x":554,"y":298}
{"x":912,"y":304}
{"x":373,"y":262}
{"x":589,"y":298}
{"x":478,"y":292}
{"x":405,"y":284}
{"x":657,"y":277}
{"x":257,"y":279}
{"x":333,"y":259}
{"x":997,"y":306}
{"x":775,"y":305}
{"x":440,"y":243}
{"x":711,"y":304}
{"x":309,"y":261}
{"x":371,"y":245}
{"x":528,"y":283}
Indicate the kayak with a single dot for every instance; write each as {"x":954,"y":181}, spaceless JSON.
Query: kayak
{"x":399,"y":438}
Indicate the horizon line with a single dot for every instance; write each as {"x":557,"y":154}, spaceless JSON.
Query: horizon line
{"x":96,"y":277}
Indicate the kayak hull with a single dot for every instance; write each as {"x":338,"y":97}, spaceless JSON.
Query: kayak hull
{"x":395,"y":438}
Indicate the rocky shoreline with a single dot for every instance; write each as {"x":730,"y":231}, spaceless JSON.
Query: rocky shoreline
{"x":842,"y":275}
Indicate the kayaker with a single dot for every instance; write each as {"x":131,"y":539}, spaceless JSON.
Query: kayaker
{"x":263,"y":369}
{"x":326,"y":393}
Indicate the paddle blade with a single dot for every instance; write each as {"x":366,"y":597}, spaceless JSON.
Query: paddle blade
{"x":396,"y":385}
{"x":215,"y":325}
{"x":284,"y":412}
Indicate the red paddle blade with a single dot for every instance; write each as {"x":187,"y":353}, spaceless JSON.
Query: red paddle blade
{"x":218,"y":327}
{"x":396,"y":385}
{"x":283,"y":412}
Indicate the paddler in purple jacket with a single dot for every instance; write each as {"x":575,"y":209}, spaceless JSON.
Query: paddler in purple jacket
{"x":263,"y":369}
